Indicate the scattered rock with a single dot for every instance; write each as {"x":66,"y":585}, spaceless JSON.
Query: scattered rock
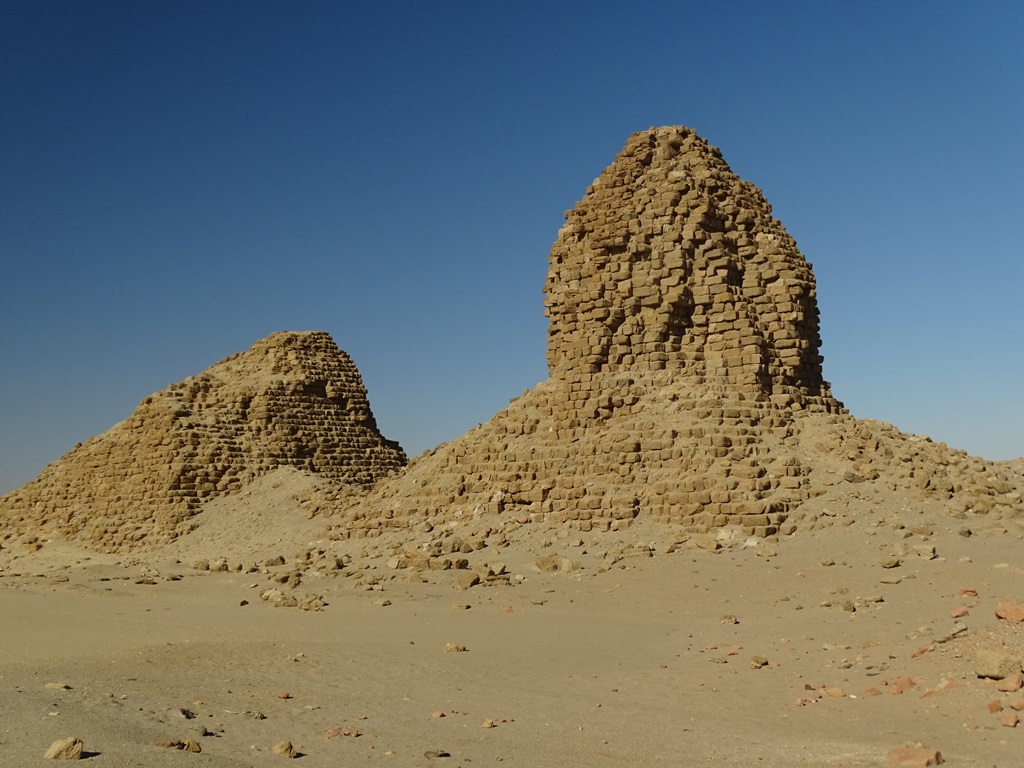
{"x":58,"y":686}
{"x":757,"y":662}
{"x":706,"y":542}
{"x":927,"y":551}
{"x":1010,"y":611}
{"x":342,"y":730}
{"x":995,"y":665}
{"x":901,"y":685}
{"x":1011,"y":683}
{"x":467,"y":579}
{"x":278,"y":599}
{"x":284,"y":749}
{"x":312,"y":603}
{"x":186,"y":745}
{"x":430,"y":754}
{"x":547,"y":563}
{"x":453,"y":648}
{"x":70,"y":748}
{"x":915,"y":757}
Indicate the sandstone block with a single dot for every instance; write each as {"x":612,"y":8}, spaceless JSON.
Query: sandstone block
{"x":70,"y":748}
{"x":915,"y":757}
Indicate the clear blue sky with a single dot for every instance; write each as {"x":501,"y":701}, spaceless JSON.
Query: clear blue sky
{"x":178,"y":179}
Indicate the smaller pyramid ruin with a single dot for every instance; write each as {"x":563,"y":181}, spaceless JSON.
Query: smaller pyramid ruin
{"x":292,"y":399}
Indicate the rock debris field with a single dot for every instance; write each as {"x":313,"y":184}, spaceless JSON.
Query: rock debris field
{"x":679,"y":549}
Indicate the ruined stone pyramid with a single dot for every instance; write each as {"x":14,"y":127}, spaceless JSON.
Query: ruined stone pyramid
{"x":671,"y":262}
{"x":685,"y":388}
{"x":292,"y":399}
{"x":685,"y":377}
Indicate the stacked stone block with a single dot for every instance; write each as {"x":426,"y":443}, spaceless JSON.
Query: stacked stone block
{"x":685,"y":374}
{"x":293,"y":399}
{"x":672,"y":262}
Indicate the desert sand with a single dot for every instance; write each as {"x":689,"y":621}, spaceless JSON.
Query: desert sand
{"x":637,"y":651}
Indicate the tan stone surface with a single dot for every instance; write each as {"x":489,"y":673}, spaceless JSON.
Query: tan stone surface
{"x":685,"y":379}
{"x":292,"y":400}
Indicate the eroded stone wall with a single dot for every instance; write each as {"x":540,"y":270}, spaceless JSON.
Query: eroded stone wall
{"x":683,"y":339}
{"x":672,"y":262}
{"x":292,"y":399}
{"x":685,"y":380}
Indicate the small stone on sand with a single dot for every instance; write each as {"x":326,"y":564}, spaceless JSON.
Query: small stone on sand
{"x":65,"y":749}
{"x":284,"y":749}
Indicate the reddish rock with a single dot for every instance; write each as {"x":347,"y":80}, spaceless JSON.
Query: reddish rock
{"x":1010,"y":611}
{"x":995,"y":706}
{"x":1009,"y":719}
{"x":915,"y":757}
{"x":959,"y":612}
{"x":869,"y":692}
{"x":1010,"y":684}
{"x":967,"y":592}
{"x":923,"y":650}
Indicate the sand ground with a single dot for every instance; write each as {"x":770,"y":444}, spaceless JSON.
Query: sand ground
{"x":752,"y":655}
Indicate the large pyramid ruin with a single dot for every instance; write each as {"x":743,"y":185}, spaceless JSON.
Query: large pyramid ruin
{"x":685,"y":377}
{"x":673,"y":263}
{"x":292,"y":399}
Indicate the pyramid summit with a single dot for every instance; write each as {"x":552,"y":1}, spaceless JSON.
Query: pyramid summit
{"x":672,"y":262}
{"x":292,"y":399}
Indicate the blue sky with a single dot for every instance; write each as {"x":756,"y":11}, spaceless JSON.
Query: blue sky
{"x":179,"y":179}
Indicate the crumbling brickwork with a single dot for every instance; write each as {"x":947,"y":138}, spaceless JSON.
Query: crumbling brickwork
{"x":685,"y":378}
{"x":292,"y":399}
{"x":672,"y":262}
{"x":683,"y":337}
{"x":685,"y":388}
